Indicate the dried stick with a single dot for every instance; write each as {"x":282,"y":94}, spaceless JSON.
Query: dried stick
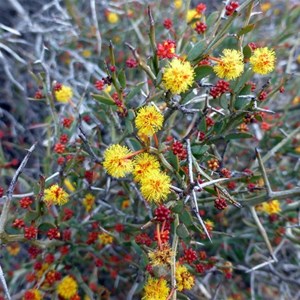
{"x":5,"y":210}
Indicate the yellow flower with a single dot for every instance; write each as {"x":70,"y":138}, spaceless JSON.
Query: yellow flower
{"x":265,"y":6}
{"x":298,"y":59}
{"x":143,"y":163}
{"x":88,"y":201}
{"x":272,"y":207}
{"x":209,"y":225}
{"x":55,"y":195}
{"x":86,"y":53}
{"x":263,"y":60}
{"x":64,"y":94}
{"x":32,"y":294}
{"x":42,"y":270}
{"x":160,"y":257}
{"x":296,"y":100}
{"x":148,"y":120}
{"x":230,"y":65}
{"x":184,"y":279}
{"x":112,"y":17}
{"x":105,"y":238}
{"x":155,"y":186}
{"x":13,"y":249}
{"x":297,"y":149}
{"x":177,"y":4}
{"x":69,"y":185}
{"x":117,"y":161}
{"x":156,"y":289}
{"x":67,"y":288}
{"x":178,"y":76}
{"x":192,"y":14}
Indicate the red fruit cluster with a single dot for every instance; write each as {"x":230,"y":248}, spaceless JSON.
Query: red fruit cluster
{"x":92,"y":237}
{"x":200,"y":27}
{"x":89,"y":176}
{"x":164,"y":236}
{"x":18,"y":223}
{"x":252,"y":45}
{"x":99,"y":85}
{"x":113,"y":68}
{"x":252,"y":84}
{"x":49,"y":258}
{"x":190,"y":255}
{"x":200,"y":8}
{"x":67,"y":122}
{"x":221,"y":87}
{"x":59,"y":148}
{"x":162,"y":213}
{"x":166,"y":49}
{"x":143,"y":239}
{"x":34,"y":252}
{"x":52,"y":276}
{"x":220,"y":203}
{"x":53,"y":233}
{"x":226,"y":173}
{"x":204,"y":62}
{"x":231,"y":185}
{"x":209,"y":121}
{"x":67,"y":233}
{"x":38,"y":94}
{"x":178,"y":150}
{"x":131,"y":63}
{"x":57,"y":86}
{"x":30,"y":232}
{"x":262,"y":95}
{"x":168,"y":23}
{"x":25,"y":202}
{"x":231,"y":7}
{"x":1,"y":191}
{"x":64,"y":138}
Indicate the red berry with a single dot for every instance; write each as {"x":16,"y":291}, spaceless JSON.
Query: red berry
{"x":200,"y":8}
{"x":67,"y":122}
{"x":200,"y":27}
{"x":220,"y":203}
{"x":64,"y":138}
{"x":89,"y":176}
{"x":59,"y":148}
{"x":18,"y":223}
{"x":57,"y":86}
{"x":1,"y":191}
{"x":38,"y":95}
{"x":30,"y":232}
{"x":200,"y":268}
{"x":144,"y":239}
{"x":131,"y":63}
{"x":190,"y":255}
{"x":262,"y":96}
{"x":168,"y":24}
{"x":231,"y":7}
{"x":25,"y":202}
{"x":53,"y":233}
{"x":162,"y":213}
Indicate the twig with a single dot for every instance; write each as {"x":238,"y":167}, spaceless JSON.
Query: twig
{"x":262,"y":232}
{"x":3,"y":281}
{"x":95,"y":23}
{"x":5,"y":210}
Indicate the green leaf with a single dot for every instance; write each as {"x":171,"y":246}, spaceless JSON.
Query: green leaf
{"x":135,"y":144}
{"x":211,"y":19}
{"x":107,"y":100}
{"x":218,"y":127}
{"x":199,"y":150}
{"x":186,"y":218}
{"x":122,"y":78}
{"x":173,"y":160}
{"x":134,"y":91}
{"x":203,"y":71}
{"x":129,"y":126}
{"x":202,"y":125}
{"x":44,"y":227}
{"x":182,"y":231}
{"x":247,"y":52}
{"x":31,"y":216}
{"x":238,"y":135}
{"x":178,"y":208}
{"x":246,"y":29}
{"x":196,"y":51}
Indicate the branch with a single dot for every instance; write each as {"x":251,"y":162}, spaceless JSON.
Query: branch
{"x":5,"y":210}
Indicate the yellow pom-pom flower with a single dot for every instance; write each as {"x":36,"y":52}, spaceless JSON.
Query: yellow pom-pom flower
{"x":155,"y":186}
{"x":156,"y":289}
{"x":32,"y":294}
{"x":117,"y":161}
{"x":67,"y":288}
{"x":160,"y":257}
{"x":88,"y":201}
{"x":64,"y":94}
{"x":148,"y":120}
{"x":105,"y":238}
{"x":178,"y":76}
{"x":191,"y":15}
{"x":177,"y":4}
{"x":272,"y":207}
{"x":263,"y":60}
{"x":184,"y":279}
{"x":143,"y":163}
{"x":230,"y":65}
{"x":55,"y":195}
{"x":112,"y":17}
